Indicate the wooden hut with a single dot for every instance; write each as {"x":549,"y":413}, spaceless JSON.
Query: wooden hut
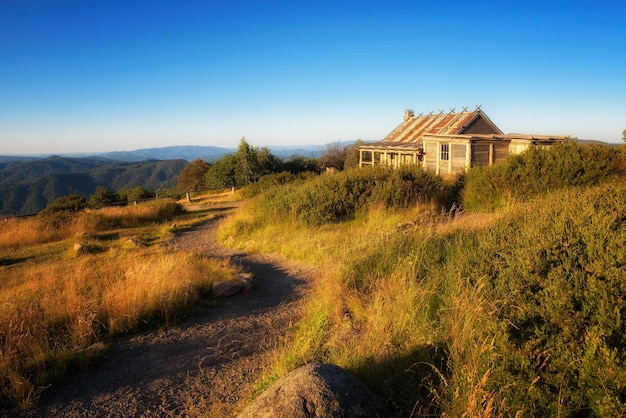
{"x":448,"y":142}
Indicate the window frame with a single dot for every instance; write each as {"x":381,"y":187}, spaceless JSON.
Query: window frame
{"x":444,"y":152}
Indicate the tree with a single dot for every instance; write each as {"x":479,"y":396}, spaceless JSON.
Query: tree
{"x":243,"y":167}
{"x":299,"y":164}
{"x":268,"y":162}
{"x":624,"y":135}
{"x":247,"y":168}
{"x":193,"y":176}
{"x":134,"y":194}
{"x":333,"y":157}
{"x":352,"y":155}
{"x":102,"y":196}
{"x":222,"y":173}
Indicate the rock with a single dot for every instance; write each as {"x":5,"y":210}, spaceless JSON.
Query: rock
{"x":80,"y":249}
{"x":248,"y":281}
{"x":316,"y":390}
{"x":132,"y":242}
{"x":95,"y":348}
{"x":227,"y":288}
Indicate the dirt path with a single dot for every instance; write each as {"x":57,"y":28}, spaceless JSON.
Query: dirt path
{"x":207,"y":365}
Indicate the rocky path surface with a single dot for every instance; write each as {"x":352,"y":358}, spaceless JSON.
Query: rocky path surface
{"x":208,"y":365}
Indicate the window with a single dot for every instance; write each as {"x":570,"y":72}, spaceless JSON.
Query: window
{"x":445,"y":152}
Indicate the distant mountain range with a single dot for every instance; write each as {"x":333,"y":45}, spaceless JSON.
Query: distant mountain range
{"x":183,"y":152}
{"x":208,"y":154}
{"x":29,"y":183}
{"x":28,"y":186}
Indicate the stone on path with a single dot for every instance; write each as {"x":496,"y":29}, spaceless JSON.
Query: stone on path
{"x":227,"y":288}
{"x":316,"y":390}
{"x":246,"y":282}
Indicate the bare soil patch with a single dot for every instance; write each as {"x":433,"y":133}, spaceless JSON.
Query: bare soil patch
{"x":206,"y":366}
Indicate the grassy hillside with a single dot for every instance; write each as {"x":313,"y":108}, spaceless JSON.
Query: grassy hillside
{"x":500,"y":293}
{"x":28,"y":187}
{"x":516,"y":308}
{"x":57,"y":299}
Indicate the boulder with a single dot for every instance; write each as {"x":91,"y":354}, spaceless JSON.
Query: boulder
{"x":227,"y":288}
{"x":316,"y":390}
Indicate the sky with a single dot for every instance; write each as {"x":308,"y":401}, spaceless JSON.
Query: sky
{"x":114,"y":75}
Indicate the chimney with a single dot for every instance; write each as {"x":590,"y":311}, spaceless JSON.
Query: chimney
{"x":408,"y":114}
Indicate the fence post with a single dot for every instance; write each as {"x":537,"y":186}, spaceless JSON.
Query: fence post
{"x":233,"y":190}
{"x":188,"y":197}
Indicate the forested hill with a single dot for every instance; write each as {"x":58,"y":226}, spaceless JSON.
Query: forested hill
{"x":29,"y":186}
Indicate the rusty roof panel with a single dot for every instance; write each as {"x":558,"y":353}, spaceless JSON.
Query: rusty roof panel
{"x":414,"y":128}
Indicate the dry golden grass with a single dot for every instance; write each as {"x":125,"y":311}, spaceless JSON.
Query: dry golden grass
{"x":54,"y":303}
{"x":22,"y":232}
{"x":213,"y":196}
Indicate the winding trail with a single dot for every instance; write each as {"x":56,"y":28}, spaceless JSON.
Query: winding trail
{"x":208,"y":365}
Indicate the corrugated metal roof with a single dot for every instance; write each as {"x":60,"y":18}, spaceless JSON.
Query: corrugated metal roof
{"x":413,"y":128}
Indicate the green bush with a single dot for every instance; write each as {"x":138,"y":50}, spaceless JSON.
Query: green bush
{"x":538,"y":171}
{"x":137,"y":193}
{"x":102,"y":197}
{"x":552,"y":280}
{"x":337,"y":197}
{"x":244,"y":167}
{"x":557,"y":274}
{"x":61,"y":212}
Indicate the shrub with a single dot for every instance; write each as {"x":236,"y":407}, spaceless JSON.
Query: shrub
{"x":137,"y":193}
{"x":538,"y":171}
{"x":556,"y":278}
{"x":61,"y":212}
{"x":102,"y":196}
{"x":337,"y":197}
{"x":530,"y":310}
{"x":298,"y":164}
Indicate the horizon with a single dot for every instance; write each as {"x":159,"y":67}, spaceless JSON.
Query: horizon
{"x":117,"y":76}
{"x":101,"y":153}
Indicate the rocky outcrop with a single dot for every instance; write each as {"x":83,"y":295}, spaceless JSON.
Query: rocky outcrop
{"x":316,"y":390}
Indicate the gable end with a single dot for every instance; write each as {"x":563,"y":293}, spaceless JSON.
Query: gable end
{"x":480,"y":126}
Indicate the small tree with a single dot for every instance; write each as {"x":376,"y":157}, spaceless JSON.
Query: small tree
{"x":268,"y":162}
{"x":624,"y":135}
{"x":193,"y":176}
{"x":299,"y":164}
{"x":247,"y":167}
{"x":222,"y":173}
{"x":243,"y":167}
{"x":60,"y":212}
{"x":102,"y":196}
{"x":136,"y":193}
{"x":333,"y":157}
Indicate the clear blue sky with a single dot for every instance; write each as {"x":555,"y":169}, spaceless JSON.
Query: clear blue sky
{"x":95,"y":75}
